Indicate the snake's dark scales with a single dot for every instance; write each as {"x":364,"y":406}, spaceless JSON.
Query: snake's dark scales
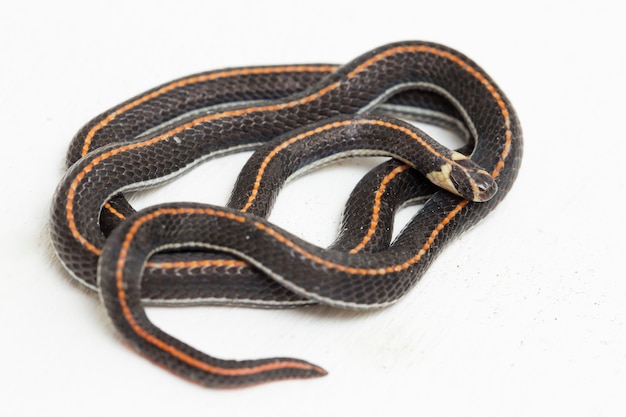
{"x":295,"y":117}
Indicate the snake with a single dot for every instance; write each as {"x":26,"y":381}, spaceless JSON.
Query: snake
{"x":296,"y":118}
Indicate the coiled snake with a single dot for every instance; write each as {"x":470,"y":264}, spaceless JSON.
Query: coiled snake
{"x":295,"y":118}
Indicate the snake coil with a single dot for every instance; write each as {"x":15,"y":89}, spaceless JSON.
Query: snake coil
{"x":296,"y":118}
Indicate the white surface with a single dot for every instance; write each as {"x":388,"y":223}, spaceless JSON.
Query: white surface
{"x":523,"y":316}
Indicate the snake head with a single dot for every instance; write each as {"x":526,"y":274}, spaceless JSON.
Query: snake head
{"x":465,"y":179}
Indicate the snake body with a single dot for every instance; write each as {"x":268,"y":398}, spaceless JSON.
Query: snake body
{"x":296,"y":118}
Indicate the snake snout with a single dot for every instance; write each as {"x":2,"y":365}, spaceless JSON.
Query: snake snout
{"x":485,"y":187}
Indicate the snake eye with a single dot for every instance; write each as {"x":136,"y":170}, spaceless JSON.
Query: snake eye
{"x":462,"y":183}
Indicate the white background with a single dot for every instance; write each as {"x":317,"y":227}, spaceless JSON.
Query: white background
{"x":522,"y":316}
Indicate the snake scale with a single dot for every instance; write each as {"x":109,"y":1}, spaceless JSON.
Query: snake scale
{"x":296,"y":118}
